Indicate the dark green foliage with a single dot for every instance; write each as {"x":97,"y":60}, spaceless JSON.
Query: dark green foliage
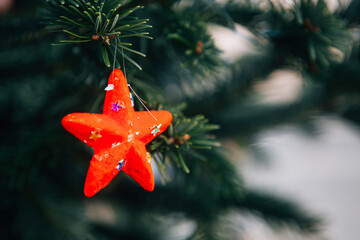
{"x":182,"y":140}
{"x":183,"y":47}
{"x":243,"y":12}
{"x":43,"y":167}
{"x":104,"y":21}
{"x":350,"y":13}
{"x":187,"y":35}
{"x":309,"y":31}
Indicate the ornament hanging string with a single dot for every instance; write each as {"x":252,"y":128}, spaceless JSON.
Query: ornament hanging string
{"x":115,"y":56}
{"x":136,"y":95}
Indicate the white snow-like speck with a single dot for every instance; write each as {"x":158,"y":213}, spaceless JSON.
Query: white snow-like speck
{"x":98,"y":158}
{"x":109,"y":87}
{"x":130,"y":137}
{"x":115,"y":144}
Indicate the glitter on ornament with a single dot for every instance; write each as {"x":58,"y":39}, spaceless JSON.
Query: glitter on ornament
{"x":120,"y":164}
{"x":132,"y":100}
{"x":156,"y":129}
{"x":109,"y":87}
{"x":115,"y":144}
{"x":148,"y":157}
{"x":95,"y":135}
{"x":116,"y":107}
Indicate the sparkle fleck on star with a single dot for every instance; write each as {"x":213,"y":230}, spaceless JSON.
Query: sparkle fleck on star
{"x":156,"y":129}
{"x":109,"y":87}
{"x":120,"y":164}
{"x":95,"y":135}
{"x":148,"y":157}
{"x":116,"y":106}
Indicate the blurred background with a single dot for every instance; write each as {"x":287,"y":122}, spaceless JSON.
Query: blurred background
{"x":265,"y":141}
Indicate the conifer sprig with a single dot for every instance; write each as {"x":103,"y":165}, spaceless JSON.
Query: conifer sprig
{"x":103,"y":21}
{"x":310,"y":32}
{"x":183,"y":34}
{"x":183,"y":139}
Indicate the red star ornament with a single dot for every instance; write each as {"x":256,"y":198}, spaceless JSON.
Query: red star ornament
{"x":118,"y":137}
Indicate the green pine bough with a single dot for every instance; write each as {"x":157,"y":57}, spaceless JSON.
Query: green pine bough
{"x":311,"y":32}
{"x":188,"y":36}
{"x":184,"y":139}
{"x":106,"y":22}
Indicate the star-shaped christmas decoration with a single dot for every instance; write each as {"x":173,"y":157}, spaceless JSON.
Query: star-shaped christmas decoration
{"x":118,"y":137}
